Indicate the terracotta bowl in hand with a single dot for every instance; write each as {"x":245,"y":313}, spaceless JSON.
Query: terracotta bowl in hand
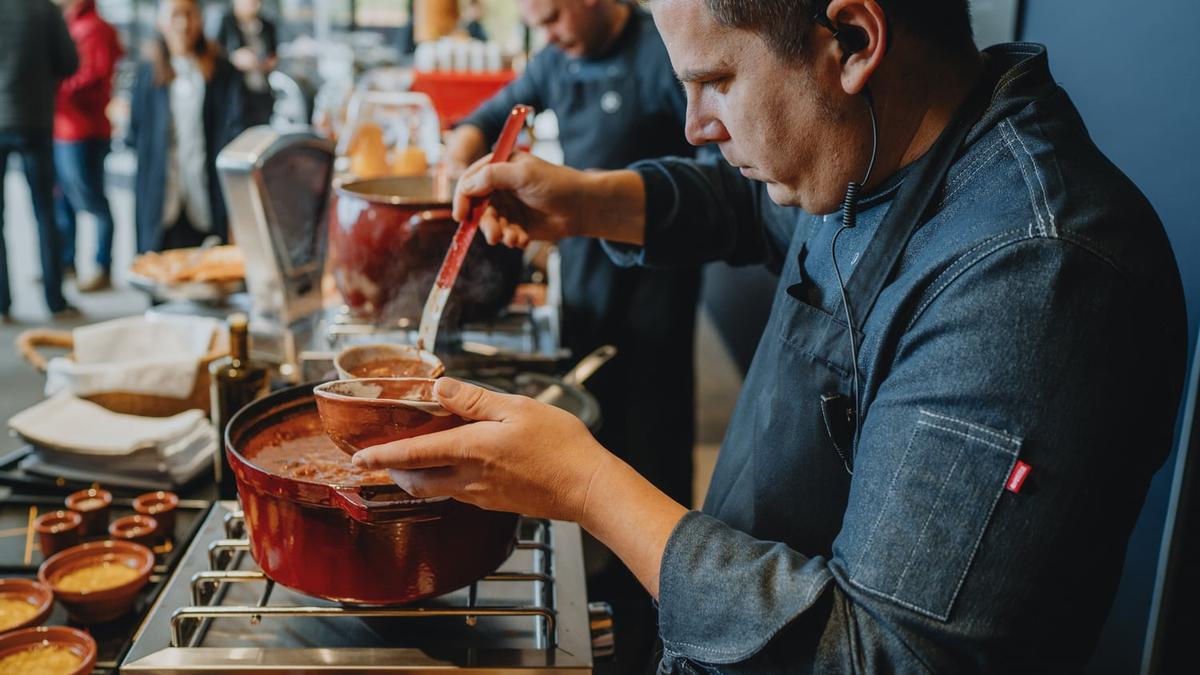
{"x":361,"y":413}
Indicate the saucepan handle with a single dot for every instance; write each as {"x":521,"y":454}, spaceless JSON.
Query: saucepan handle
{"x":373,"y":504}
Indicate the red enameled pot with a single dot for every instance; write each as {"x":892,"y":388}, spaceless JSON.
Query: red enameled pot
{"x":363,"y":544}
{"x":387,"y":239}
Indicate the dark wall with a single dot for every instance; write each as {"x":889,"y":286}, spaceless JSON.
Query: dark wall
{"x":1134,"y":72}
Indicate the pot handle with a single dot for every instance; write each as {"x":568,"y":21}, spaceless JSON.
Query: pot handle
{"x":589,"y":364}
{"x":430,"y":215}
{"x":374,"y":504}
{"x":576,"y":376}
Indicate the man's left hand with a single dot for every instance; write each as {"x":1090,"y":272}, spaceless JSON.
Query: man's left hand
{"x":518,"y":455}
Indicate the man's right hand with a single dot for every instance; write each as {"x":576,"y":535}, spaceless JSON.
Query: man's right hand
{"x":533,"y":199}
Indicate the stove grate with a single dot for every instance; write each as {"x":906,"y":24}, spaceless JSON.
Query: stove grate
{"x":189,"y":624}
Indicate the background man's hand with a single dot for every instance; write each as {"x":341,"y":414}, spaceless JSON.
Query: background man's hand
{"x":244,"y":59}
{"x":464,"y":146}
{"x":520,"y":455}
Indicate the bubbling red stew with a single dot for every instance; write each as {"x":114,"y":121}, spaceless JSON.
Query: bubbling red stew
{"x":298,"y":448}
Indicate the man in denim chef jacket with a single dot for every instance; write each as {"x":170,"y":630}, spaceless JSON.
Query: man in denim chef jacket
{"x":1019,"y":338}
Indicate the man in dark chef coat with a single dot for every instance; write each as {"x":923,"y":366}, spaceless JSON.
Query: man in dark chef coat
{"x":1017,"y":361}
{"x":607,"y":77}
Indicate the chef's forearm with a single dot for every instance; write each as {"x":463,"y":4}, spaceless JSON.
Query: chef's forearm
{"x":631,"y":517}
{"x":613,"y":207}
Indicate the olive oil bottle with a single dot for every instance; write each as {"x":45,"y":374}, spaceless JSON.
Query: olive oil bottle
{"x":236,"y":382}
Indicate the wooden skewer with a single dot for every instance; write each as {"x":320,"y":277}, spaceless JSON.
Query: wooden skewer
{"x":29,"y":535}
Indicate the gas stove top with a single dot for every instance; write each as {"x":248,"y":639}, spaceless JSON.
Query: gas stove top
{"x":219,"y":612}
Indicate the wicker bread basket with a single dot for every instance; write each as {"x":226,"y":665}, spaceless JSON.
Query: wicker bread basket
{"x":31,"y":341}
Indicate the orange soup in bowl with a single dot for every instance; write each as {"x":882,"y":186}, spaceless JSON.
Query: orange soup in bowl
{"x":14,"y":612}
{"x":98,"y":577}
{"x":48,"y":659}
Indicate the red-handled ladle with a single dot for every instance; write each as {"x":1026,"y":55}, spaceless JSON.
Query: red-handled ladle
{"x":431,"y":316}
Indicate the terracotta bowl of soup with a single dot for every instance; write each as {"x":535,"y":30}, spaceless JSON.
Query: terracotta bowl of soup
{"x":361,"y":413}
{"x":386,"y":360}
{"x":23,"y":603}
{"x":98,"y":581}
{"x":47,"y":649}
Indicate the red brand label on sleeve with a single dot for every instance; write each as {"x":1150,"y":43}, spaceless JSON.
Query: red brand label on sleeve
{"x":1017,"y":478}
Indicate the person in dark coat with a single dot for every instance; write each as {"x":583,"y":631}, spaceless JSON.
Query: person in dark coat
{"x":36,"y":54}
{"x":186,"y":106}
{"x":251,"y":40}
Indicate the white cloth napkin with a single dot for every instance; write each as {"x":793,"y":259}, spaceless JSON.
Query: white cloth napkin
{"x":153,"y":355}
{"x":66,"y":422}
{"x":76,"y":434}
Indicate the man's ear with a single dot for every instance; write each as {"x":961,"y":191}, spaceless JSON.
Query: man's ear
{"x":862,"y":38}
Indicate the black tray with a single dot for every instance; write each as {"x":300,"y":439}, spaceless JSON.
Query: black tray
{"x":20,"y":558}
{"x":25,"y":482}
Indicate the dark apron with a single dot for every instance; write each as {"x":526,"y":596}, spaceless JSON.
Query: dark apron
{"x":781,"y":474}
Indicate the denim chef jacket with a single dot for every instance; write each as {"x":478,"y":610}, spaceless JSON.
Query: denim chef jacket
{"x":1036,"y":315}
{"x":613,"y":109}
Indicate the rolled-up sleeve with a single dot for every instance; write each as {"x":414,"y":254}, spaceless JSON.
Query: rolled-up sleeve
{"x":698,"y":211}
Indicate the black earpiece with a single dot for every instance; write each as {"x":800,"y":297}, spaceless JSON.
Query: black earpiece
{"x":852,"y":39}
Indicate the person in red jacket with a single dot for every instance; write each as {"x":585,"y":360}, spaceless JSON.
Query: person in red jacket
{"x":82,"y":136}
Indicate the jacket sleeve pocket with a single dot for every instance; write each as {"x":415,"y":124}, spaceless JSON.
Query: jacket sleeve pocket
{"x":933,"y":514}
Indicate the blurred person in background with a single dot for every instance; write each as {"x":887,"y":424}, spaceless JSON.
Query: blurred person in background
{"x":607,"y":77}
{"x":36,"y":53}
{"x":251,"y":41}
{"x":186,"y":106}
{"x":82,"y":136}
{"x":472,"y":20}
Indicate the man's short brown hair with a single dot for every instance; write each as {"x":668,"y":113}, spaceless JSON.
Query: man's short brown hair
{"x":785,"y":24}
